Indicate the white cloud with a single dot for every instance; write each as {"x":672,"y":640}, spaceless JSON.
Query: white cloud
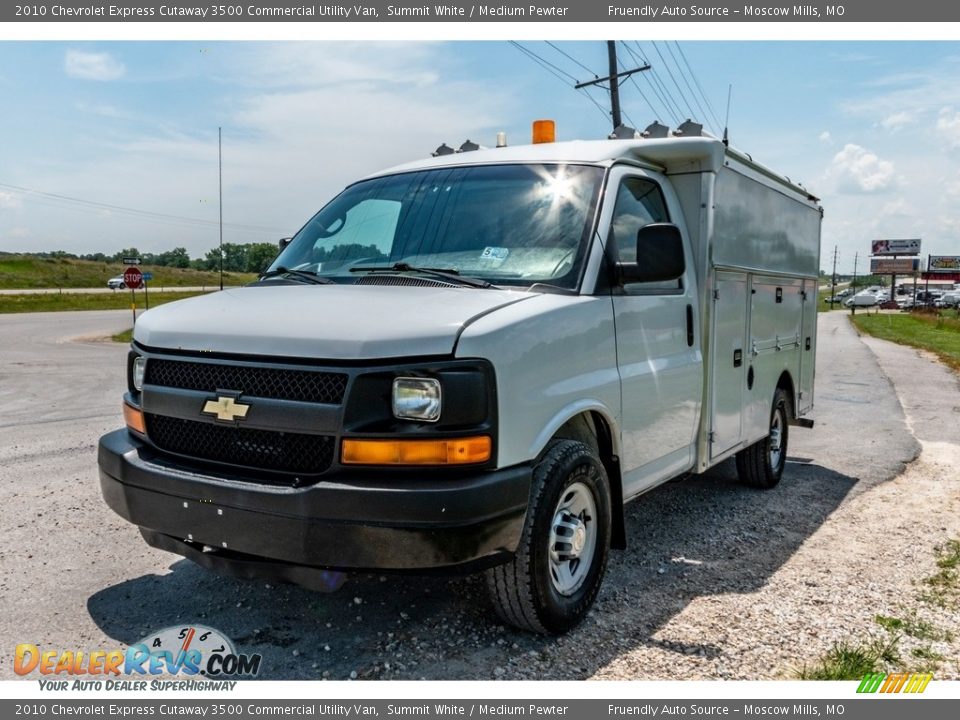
{"x":92,"y":66}
{"x":897,"y":120}
{"x":857,"y":170}
{"x":825,"y":137}
{"x":8,"y":201}
{"x":948,"y":126}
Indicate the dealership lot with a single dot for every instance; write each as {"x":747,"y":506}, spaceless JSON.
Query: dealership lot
{"x":718,"y":581}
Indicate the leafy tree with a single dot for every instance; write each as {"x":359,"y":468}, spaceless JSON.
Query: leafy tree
{"x":259,"y":256}
{"x":178,"y":257}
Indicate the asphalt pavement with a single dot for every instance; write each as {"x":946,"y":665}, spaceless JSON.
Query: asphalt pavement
{"x":75,"y":576}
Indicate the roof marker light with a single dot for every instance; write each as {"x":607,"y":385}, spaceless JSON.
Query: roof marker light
{"x":544,"y":131}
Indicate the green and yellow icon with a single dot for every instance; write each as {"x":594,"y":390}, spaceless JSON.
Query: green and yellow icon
{"x":894,"y":682}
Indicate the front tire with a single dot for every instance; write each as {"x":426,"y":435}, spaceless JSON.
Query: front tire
{"x":553,"y":579}
{"x":761,"y":465}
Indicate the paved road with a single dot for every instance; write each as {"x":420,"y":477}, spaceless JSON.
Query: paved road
{"x":73,"y":575}
{"x":104,"y":290}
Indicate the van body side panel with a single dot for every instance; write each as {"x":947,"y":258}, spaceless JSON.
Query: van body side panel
{"x":759,"y":226}
{"x":556,"y":357}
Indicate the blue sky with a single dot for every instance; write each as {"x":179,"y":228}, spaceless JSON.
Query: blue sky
{"x":873,"y":128}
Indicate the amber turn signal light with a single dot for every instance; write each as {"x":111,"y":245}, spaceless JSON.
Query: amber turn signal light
{"x":134,"y":419}
{"x":456,"y":451}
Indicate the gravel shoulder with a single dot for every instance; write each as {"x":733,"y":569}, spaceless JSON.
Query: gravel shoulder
{"x":719,"y":581}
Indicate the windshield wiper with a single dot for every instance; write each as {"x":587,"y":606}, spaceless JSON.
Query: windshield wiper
{"x":304,"y":275}
{"x":449,"y":274}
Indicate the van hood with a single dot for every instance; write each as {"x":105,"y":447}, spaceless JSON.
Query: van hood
{"x":328,"y":322}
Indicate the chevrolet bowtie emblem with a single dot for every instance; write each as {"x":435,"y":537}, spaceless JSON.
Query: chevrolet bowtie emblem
{"x":226,"y":408}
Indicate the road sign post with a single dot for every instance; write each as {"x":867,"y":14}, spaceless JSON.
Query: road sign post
{"x":133,"y":278}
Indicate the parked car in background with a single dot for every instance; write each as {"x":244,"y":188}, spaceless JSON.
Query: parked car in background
{"x":116,"y":283}
{"x":861,"y":299}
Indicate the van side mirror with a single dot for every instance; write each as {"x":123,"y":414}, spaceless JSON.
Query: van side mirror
{"x":659,"y":255}
{"x":283,"y":243}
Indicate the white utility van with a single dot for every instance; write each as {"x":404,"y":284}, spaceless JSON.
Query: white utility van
{"x":472,"y":362}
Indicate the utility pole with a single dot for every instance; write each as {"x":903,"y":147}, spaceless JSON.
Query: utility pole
{"x":220,"y":161}
{"x":833,"y":281}
{"x":614,"y":79}
{"x":614,"y":83}
{"x":853,"y":306}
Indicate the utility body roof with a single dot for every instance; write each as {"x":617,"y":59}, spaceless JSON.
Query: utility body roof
{"x":668,"y":155}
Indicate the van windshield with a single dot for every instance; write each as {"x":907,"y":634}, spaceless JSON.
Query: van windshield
{"x":505,"y":224}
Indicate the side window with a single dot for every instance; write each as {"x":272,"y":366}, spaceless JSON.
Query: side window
{"x":639,"y":202}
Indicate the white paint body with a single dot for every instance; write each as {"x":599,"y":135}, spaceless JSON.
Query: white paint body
{"x":752,"y":243}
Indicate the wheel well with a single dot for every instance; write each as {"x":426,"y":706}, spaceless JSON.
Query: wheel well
{"x":592,"y":429}
{"x":785,"y":383}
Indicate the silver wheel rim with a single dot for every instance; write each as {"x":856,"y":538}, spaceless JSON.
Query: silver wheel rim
{"x":776,"y":439}
{"x":573,"y":537}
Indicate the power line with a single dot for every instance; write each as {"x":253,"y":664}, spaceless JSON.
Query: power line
{"x":670,"y":114}
{"x":553,"y":70}
{"x":699,"y":87}
{"x":570,"y":57}
{"x":660,"y":90}
{"x":545,"y":63}
{"x":703,"y":113}
{"x":148,"y":214}
{"x":670,"y":73}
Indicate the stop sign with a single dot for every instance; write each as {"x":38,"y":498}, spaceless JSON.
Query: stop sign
{"x":132,"y":277}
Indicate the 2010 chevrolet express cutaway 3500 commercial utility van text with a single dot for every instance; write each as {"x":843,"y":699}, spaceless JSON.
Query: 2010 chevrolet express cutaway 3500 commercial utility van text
{"x":472,"y":362}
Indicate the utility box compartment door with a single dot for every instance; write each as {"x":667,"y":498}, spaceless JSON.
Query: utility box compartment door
{"x":729,"y":361}
{"x":809,"y":347}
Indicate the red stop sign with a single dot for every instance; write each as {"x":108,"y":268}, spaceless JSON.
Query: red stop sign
{"x":132,"y":277}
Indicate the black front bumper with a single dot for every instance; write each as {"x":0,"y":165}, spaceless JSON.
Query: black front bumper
{"x":372,"y":520}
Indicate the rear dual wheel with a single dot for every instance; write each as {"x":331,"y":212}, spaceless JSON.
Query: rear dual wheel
{"x":761,"y":465}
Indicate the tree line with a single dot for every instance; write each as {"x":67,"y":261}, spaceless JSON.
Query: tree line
{"x":249,"y":257}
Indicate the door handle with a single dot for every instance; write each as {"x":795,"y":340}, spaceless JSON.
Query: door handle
{"x":689,"y":325}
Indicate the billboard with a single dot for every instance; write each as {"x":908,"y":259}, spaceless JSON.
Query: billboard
{"x":896,"y":247}
{"x":944,"y":263}
{"x":900,"y":266}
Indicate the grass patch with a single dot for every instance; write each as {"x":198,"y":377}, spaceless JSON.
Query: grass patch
{"x":914,"y":627}
{"x":926,"y":653}
{"x":824,"y":306}
{"x":846,"y":661}
{"x":19,"y":272}
{"x":100,"y":301}
{"x":943,"y":586}
{"x":936,"y":333}
{"x":125,"y":337}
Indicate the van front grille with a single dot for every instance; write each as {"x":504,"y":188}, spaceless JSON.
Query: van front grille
{"x":251,"y":381}
{"x":259,"y":449}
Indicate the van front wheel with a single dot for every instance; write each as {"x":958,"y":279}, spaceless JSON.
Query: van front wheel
{"x":761,"y":465}
{"x":553,"y":579}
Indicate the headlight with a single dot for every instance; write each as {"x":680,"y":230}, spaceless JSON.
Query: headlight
{"x":416,"y":399}
{"x":139,"y":368}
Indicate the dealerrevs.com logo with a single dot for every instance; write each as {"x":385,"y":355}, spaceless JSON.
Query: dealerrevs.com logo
{"x":179,"y":650}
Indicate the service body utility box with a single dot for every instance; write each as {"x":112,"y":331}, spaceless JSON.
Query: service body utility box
{"x":471,"y":363}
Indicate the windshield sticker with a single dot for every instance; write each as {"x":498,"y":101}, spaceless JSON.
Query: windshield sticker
{"x":497,"y":254}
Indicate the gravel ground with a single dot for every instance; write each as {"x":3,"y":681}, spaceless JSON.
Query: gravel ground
{"x":719,"y":581}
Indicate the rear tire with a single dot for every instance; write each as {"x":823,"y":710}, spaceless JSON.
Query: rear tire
{"x":761,"y":465}
{"x":553,"y":579}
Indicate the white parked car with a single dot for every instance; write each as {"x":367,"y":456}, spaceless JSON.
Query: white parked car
{"x":862,"y":299}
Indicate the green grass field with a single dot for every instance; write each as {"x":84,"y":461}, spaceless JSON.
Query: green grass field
{"x":19,"y":272}
{"x":119,"y":300}
{"x":938,"y":334}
